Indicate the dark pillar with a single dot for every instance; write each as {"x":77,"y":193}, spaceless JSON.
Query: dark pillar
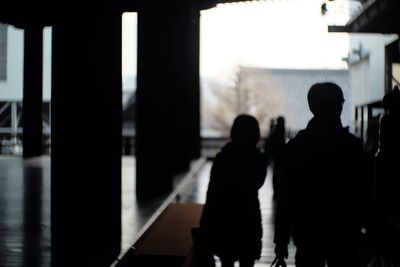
{"x":392,"y":55}
{"x":86,"y":139}
{"x":362,"y":124}
{"x":193,"y":95}
{"x":388,"y":68}
{"x":356,"y":119}
{"x":32,"y":137}
{"x":167,"y":133}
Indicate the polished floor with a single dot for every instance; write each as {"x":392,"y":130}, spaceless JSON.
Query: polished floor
{"x":24,"y":212}
{"x":25,"y":209}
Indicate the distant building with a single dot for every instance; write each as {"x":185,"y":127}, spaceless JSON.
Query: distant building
{"x":12,"y":63}
{"x":293,"y":85}
{"x":366,"y":61}
{"x":373,"y":61}
{"x":374,"y":69}
{"x":11,"y":85}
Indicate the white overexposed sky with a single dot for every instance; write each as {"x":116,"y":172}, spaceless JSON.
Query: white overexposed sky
{"x":268,"y":34}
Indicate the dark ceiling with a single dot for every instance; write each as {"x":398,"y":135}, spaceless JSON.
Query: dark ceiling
{"x":377,"y":16}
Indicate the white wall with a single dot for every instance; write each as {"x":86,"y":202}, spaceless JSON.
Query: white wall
{"x":11,"y":89}
{"x":368,"y":75}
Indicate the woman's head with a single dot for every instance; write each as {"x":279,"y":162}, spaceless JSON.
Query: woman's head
{"x":245,"y":130}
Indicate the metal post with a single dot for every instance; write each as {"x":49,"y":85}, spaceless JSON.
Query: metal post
{"x":14,"y":124}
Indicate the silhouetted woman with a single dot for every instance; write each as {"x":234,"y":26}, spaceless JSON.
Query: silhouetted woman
{"x":231,"y":219}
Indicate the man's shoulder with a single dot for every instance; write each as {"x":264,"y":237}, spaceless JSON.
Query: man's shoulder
{"x":351,"y":137}
{"x":306,"y":137}
{"x":300,"y":137}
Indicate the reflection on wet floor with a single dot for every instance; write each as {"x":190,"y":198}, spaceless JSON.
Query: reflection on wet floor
{"x":25,"y":210}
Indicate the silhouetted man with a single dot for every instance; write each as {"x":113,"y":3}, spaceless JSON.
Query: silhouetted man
{"x":322,"y":191}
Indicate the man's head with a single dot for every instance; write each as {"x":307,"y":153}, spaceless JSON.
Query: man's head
{"x":245,"y":130}
{"x":325,"y":99}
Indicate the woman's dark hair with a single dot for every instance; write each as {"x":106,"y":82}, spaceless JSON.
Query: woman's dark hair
{"x":245,"y":130}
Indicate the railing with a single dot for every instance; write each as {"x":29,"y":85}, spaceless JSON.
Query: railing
{"x":366,"y":121}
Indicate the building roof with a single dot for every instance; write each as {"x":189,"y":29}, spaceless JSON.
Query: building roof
{"x":376,"y":16}
{"x":294,"y":85}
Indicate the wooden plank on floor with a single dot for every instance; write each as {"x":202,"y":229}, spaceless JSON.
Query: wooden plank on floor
{"x":170,"y":235}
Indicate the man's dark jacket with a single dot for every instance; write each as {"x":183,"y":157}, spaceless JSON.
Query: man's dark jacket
{"x":324,"y":193}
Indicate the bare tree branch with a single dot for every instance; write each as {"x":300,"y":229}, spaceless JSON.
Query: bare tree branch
{"x":251,"y":93}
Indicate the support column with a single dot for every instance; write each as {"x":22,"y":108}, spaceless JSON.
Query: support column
{"x":86,"y":139}
{"x":362,"y":124}
{"x":392,"y":55}
{"x":195,"y":136}
{"x":14,"y":123}
{"x":32,"y":136}
{"x":388,"y":68}
{"x":167,"y":126}
{"x":356,"y":119}
{"x":189,"y":93}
